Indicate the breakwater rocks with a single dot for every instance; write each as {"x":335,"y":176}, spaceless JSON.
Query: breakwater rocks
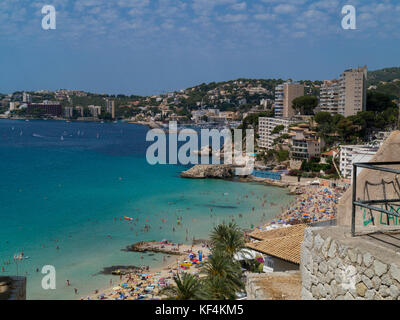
{"x":203,"y":171}
{"x":267,"y":181}
{"x":117,"y":270}
{"x":154,"y":246}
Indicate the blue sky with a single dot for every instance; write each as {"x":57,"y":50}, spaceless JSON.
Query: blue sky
{"x":151,"y":46}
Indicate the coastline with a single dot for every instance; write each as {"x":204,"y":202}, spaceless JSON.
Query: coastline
{"x":289,"y":215}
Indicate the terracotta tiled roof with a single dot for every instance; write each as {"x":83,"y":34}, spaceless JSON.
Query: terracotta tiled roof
{"x":283,"y":243}
{"x":285,"y":248}
{"x":278,"y":233}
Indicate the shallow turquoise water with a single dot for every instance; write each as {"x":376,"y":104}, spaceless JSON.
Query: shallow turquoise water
{"x":73,"y":194}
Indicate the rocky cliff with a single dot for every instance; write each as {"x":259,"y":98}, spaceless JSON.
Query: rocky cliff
{"x":202,"y":171}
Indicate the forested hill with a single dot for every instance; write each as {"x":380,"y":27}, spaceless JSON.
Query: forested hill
{"x":386,"y":80}
{"x":385,"y":75}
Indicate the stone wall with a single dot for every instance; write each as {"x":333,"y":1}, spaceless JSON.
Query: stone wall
{"x":336,"y":266}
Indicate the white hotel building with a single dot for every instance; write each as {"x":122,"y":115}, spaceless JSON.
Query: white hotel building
{"x":265,"y":128}
{"x":353,"y":154}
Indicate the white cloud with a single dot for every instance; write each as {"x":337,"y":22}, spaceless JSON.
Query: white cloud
{"x":285,"y":9}
{"x":239,"y":6}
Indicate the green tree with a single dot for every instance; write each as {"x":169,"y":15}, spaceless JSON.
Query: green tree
{"x":223,"y":276}
{"x":187,"y":287}
{"x":228,"y":238}
{"x":305,"y":104}
{"x":278,"y":129}
{"x":379,"y":102}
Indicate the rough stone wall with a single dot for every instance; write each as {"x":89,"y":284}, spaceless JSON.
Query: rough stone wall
{"x":334,"y":269}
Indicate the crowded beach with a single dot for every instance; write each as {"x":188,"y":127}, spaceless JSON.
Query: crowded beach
{"x":314,"y":203}
{"x":146,"y":283}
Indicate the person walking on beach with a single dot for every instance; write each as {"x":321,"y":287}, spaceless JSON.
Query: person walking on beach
{"x":67,"y":283}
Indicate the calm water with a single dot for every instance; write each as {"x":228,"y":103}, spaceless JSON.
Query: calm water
{"x":73,"y":193}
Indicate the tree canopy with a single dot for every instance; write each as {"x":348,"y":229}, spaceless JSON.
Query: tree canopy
{"x":305,"y":104}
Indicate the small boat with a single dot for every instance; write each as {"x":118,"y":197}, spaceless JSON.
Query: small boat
{"x":62,"y":138}
{"x":128,"y":218}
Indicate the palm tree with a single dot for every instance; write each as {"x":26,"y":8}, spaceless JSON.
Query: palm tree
{"x":223,"y":276}
{"x":216,"y":288}
{"x":187,"y":287}
{"x":228,"y":238}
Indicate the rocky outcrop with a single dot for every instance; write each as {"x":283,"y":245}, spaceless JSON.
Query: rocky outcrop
{"x":216,"y":171}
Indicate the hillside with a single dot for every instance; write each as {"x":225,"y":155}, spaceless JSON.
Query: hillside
{"x":386,"y":80}
{"x":385,"y":75}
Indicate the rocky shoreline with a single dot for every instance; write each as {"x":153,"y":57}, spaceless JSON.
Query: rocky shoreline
{"x":215,"y":171}
{"x":227,"y":172}
{"x":153,"y":246}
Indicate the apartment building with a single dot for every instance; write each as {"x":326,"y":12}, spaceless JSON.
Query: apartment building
{"x":46,"y":108}
{"x":95,"y":110}
{"x":26,"y":97}
{"x":352,"y":91}
{"x":352,"y":154}
{"x":304,"y":143}
{"x":329,"y":96}
{"x":110,"y":107}
{"x":284,"y":96}
{"x":278,"y":103}
{"x":68,"y":112}
{"x":266,"y":126}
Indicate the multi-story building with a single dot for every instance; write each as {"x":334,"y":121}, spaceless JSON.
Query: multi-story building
{"x":329,"y":96}
{"x":26,"y":97}
{"x":284,"y":96}
{"x":68,"y":112}
{"x":48,"y":109}
{"x":79,"y":109}
{"x":304,"y":143}
{"x":352,"y":91}
{"x":110,"y":107}
{"x":266,"y":126}
{"x":95,"y":110}
{"x":278,"y":103}
{"x":352,"y":154}
{"x":13,"y":105}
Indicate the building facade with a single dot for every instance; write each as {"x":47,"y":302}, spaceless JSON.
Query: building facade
{"x":266,"y":126}
{"x":304,"y":143}
{"x":352,"y":154}
{"x":329,"y":96}
{"x":48,"y":109}
{"x":284,"y":96}
{"x":68,"y":112}
{"x":95,"y":110}
{"x":352,"y":91}
{"x":110,"y":107}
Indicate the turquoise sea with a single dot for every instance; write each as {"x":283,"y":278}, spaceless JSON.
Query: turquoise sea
{"x":62,"y":202}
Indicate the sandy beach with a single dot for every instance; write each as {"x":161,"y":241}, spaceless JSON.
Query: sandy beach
{"x":314,"y":204}
{"x":146,"y":284}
